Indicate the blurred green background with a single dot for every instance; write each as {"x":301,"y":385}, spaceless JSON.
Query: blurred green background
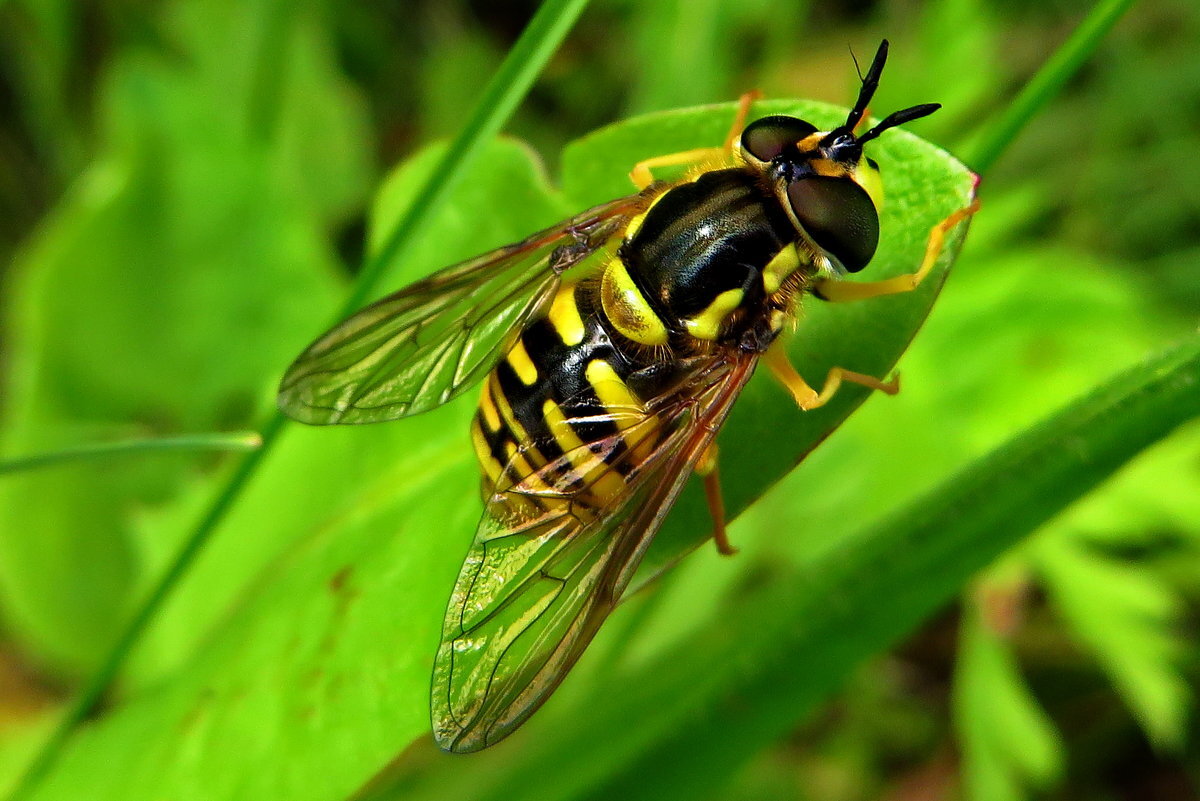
{"x":185,"y":190}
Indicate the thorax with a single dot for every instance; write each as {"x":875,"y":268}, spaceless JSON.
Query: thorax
{"x":709,"y":260}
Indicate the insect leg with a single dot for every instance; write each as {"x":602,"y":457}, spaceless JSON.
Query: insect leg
{"x":706,"y":468}
{"x":641,"y":173}
{"x":739,"y":121}
{"x":808,"y":398}
{"x":842,"y":291}
{"x":642,"y":177}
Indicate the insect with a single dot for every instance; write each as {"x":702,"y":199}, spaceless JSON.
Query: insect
{"x":611,"y":348}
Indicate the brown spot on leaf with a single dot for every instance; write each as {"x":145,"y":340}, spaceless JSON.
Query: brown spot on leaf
{"x":340,"y":579}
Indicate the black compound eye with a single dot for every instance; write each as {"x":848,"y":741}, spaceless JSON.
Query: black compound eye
{"x":767,"y":138}
{"x":840,"y":217}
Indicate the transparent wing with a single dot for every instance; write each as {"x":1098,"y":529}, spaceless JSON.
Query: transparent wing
{"x":545,"y":569}
{"x":422,"y":346}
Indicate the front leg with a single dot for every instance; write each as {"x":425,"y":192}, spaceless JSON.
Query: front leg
{"x":839,"y":291}
{"x":642,"y":176}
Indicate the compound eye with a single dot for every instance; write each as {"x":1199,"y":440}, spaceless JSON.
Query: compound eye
{"x":767,"y":138}
{"x":839,"y":216}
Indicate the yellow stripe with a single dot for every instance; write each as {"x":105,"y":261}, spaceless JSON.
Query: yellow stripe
{"x":869,"y":179}
{"x":785,"y":262}
{"x":490,"y":466}
{"x":506,"y":412}
{"x":828,"y":168}
{"x":626,"y":307}
{"x":635,"y":224}
{"x":707,"y":324}
{"x":518,"y":357}
{"x":488,"y":407}
{"x":515,"y":428}
{"x":602,"y":481}
{"x":564,"y":316}
{"x":627,"y":411}
{"x":522,"y":471}
{"x":812,"y":142}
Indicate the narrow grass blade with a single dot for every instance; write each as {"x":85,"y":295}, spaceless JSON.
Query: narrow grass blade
{"x":243,"y":441}
{"x":997,"y":136}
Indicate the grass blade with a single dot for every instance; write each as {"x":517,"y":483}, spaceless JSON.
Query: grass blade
{"x":243,"y":441}
{"x":1041,"y":89}
{"x":500,"y":98}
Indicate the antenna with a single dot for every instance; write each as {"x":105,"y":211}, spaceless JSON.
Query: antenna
{"x":899,"y":118}
{"x":869,"y":85}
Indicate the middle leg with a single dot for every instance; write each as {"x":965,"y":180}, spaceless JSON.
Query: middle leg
{"x":808,"y":398}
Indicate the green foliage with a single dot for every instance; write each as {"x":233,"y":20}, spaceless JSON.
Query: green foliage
{"x":201,"y":172}
{"x":102,"y":450}
{"x":1129,"y":618}
{"x":668,"y":716}
{"x":336,"y":557}
{"x":1009,"y":745}
{"x":183,"y":239}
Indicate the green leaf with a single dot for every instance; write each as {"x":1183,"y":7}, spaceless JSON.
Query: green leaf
{"x":22,"y":735}
{"x":180,"y":269}
{"x":319,"y":472}
{"x":499,"y":98}
{"x":313,"y":617}
{"x":1010,"y":747}
{"x":1131,"y":621}
{"x":262,"y":656}
{"x":670,"y":722}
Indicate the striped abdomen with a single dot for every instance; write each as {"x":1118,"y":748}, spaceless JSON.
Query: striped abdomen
{"x":565,"y":411}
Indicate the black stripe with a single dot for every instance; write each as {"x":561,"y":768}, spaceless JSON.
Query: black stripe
{"x":526,"y":404}
{"x":495,"y":439}
{"x":562,"y":377}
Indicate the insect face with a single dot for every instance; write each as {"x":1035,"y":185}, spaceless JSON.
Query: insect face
{"x":831,"y":189}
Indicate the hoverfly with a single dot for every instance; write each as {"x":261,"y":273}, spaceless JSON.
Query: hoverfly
{"x":611,"y":348}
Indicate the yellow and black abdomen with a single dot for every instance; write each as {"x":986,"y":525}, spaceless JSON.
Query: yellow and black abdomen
{"x":564,"y":413}
{"x":568,"y":411}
